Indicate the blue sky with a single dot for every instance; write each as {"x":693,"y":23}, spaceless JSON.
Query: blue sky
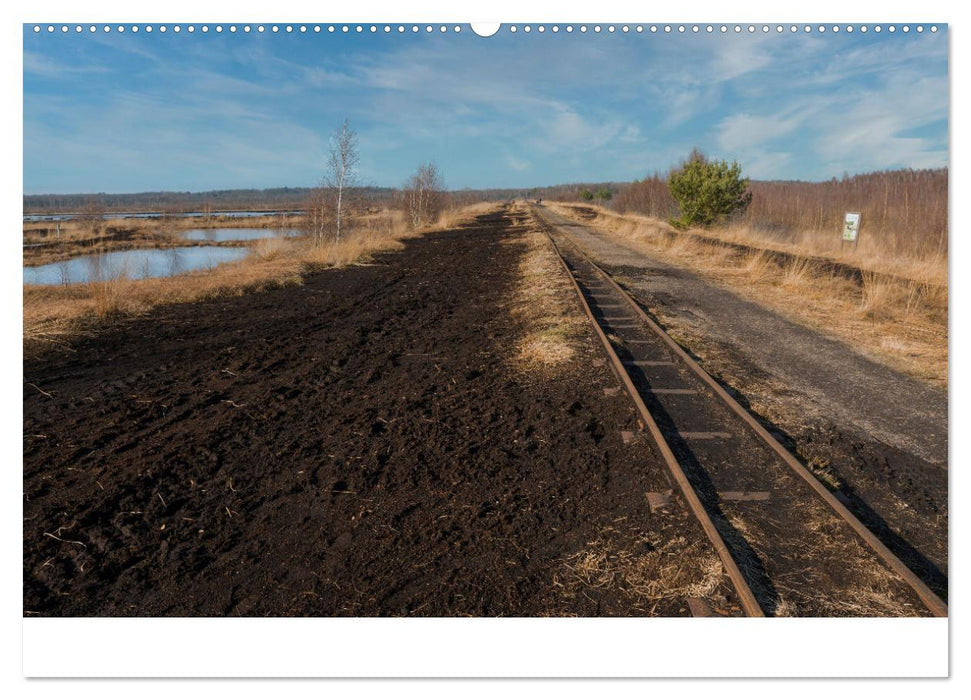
{"x":136,"y":112}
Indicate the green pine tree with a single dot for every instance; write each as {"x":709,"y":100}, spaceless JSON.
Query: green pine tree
{"x":708,"y":191}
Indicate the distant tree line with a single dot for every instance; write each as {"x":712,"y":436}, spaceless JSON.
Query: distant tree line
{"x":602,"y":194}
{"x":909,"y":207}
{"x":276,"y":198}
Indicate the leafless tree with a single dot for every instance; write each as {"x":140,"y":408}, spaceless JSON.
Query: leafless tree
{"x":907,"y":207}
{"x":424,"y":195}
{"x":341,"y":173}
{"x":92,"y":216}
{"x":206,"y":213}
{"x":319,"y":217}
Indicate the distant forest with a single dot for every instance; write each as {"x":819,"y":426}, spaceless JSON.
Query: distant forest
{"x":175,"y":202}
{"x":270,"y":199}
{"x":910,"y":204}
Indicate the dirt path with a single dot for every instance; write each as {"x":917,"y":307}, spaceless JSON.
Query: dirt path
{"x":358,"y":445}
{"x":879,"y":435}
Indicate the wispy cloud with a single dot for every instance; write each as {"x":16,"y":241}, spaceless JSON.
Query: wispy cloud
{"x":138,"y":112}
{"x":37,"y":64}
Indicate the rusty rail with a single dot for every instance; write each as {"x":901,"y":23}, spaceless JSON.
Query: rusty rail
{"x":935,"y":605}
{"x":747,"y":599}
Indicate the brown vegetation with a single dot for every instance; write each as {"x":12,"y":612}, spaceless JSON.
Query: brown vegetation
{"x":53,"y":314}
{"x":904,"y":214}
{"x":91,"y":217}
{"x":645,"y":569}
{"x":545,"y":301}
{"x":424,"y":194}
{"x":900,"y":320}
{"x":649,"y":196}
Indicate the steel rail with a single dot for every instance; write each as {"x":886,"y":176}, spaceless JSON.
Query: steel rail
{"x":747,"y":599}
{"x":935,"y":605}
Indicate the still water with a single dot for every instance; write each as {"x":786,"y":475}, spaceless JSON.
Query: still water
{"x":133,"y":264}
{"x":218,"y":235}
{"x":160,"y":215}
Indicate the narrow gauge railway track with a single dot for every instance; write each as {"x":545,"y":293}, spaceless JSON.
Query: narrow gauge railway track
{"x":787,"y":544}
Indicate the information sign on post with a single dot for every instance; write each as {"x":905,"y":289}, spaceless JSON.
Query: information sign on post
{"x":851,"y":228}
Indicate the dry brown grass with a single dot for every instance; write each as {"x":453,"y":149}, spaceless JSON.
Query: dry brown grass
{"x":270,"y":248}
{"x":54,"y":314}
{"x":112,"y":296}
{"x":900,"y":321}
{"x":864,"y":586}
{"x":873,"y":253}
{"x":758,"y":265}
{"x":798,"y":272}
{"x":645,"y":569}
{"x":878,"y":296}
{"x":545,"y":301}
{"x":450,"y":217}
{"x":349,"y":250}
{"x":904,"y":212}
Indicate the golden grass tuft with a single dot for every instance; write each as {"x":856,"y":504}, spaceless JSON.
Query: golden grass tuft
{"x":112,"y":296}
{"x":798,"y":272}
{"x":271,"y":248}
{"x":451,"y":217}
{"x":646,"y":569}
{"x":550,"y":347}
{"x":545,"y":301}
{"x":758,"y":265}
{"x":878,"y":296}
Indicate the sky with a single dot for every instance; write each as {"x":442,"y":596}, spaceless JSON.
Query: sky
{"x":125,"y":112}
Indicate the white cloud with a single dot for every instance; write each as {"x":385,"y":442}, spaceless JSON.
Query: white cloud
{"x":766,"y":165}
{"x":554,"y":108}
{"x":739,"y":56}
{"x":569,"y":130}
{"x":518,"y":164}
{"x":740,"y":132}
{"x":42,"y":65}
{"x":850,"y":125}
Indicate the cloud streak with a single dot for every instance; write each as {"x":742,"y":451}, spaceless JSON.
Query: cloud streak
{"x":149,"y":112}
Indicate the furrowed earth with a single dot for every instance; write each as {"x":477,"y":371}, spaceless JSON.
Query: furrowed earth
{"x":361,"y":444}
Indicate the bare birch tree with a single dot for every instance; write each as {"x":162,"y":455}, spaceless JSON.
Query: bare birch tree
{"x":424,"y":195}
{"x":328,"y":206}
{"x":342,"y":172}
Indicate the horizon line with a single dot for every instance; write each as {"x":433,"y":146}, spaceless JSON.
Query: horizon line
{"x":459,"y":189}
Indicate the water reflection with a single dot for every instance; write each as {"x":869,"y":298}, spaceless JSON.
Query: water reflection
{"x":247,"y":214}
{"x":133,"y":264}
{"x":218,"y":235}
